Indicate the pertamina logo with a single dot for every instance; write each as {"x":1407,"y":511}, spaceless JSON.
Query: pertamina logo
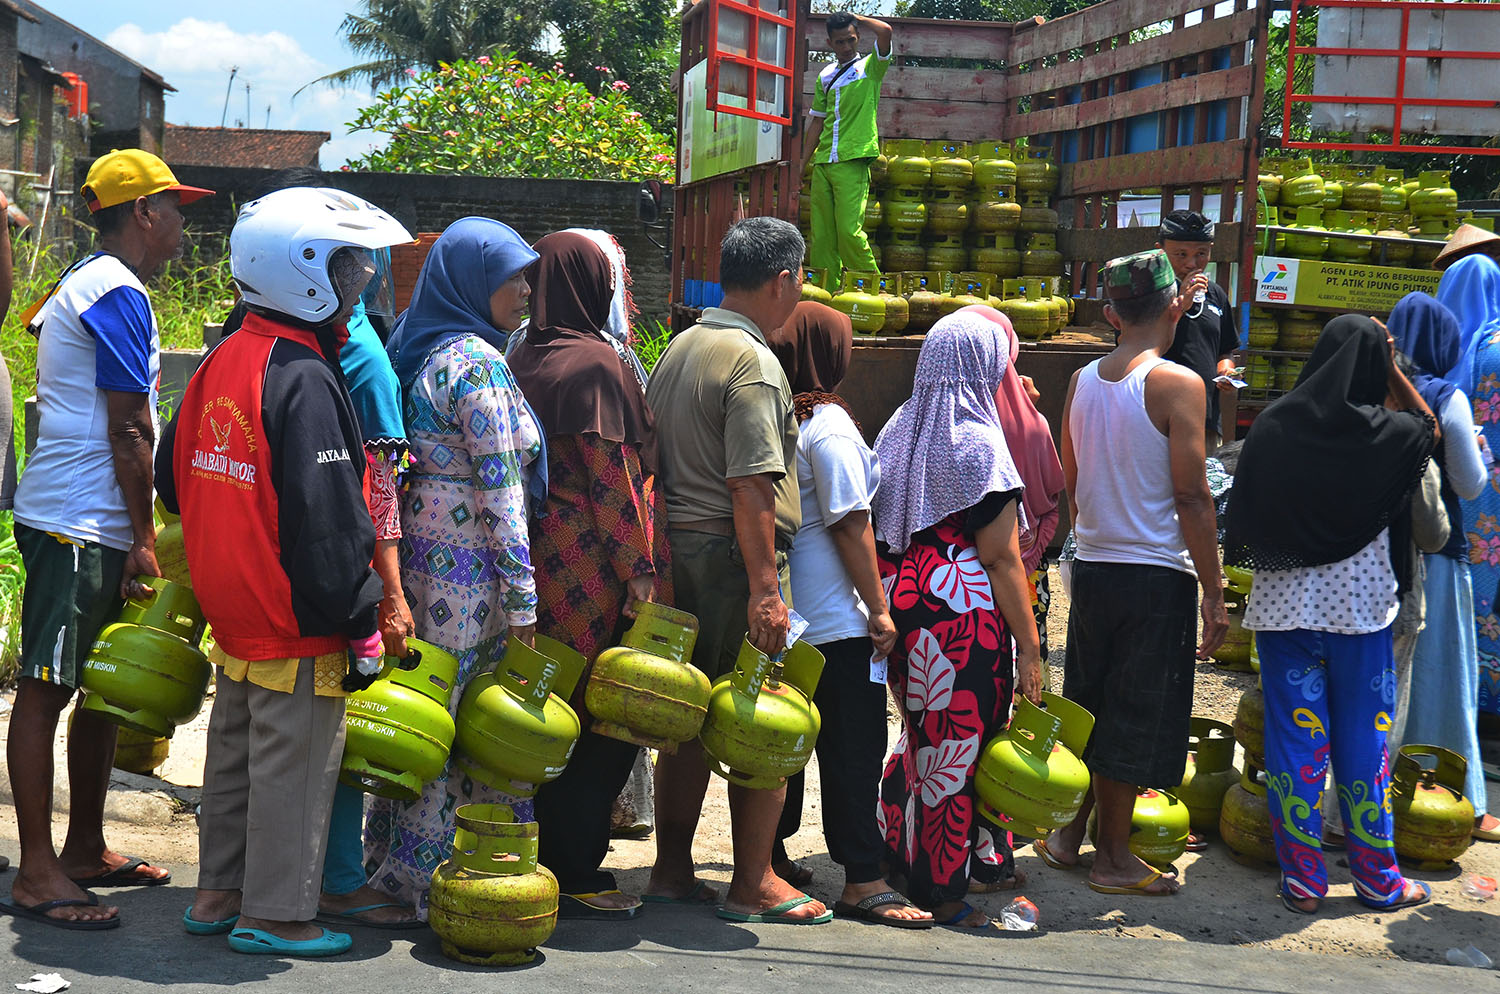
{"x":225,"y":444}
{"x":1276,"y":285}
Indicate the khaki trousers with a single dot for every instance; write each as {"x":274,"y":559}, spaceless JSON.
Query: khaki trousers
{"x":273,"y":760}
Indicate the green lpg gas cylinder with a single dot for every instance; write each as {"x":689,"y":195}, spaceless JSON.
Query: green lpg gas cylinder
{"x":145,"y":671}
{"x":491,"y":904}
{"x":1210,"y":772}
{"x":647,"y":690}
{"x":1030,"y":778}
{"x":398,"y":730}
{"x":1245,"y":819}
{"x":1250,"y":725}
{"x":951,"y":169}
{"x":762,"y":722}
{"x":1434,"y":821}
{"x":1159,"y":827}
{"x":516,"y":730}
{"x":860,"y":300}
{"x":993,"y":165}
{"x":907,"y":164}
{"x":1433,"y":197}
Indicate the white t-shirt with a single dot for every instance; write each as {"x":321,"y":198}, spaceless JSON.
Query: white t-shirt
{"x":837,"y":473}
{"x":98,"y":333}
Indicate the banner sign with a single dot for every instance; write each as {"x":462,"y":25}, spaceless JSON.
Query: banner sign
{"x":716,"y":143}
{"x":1343,"y":285}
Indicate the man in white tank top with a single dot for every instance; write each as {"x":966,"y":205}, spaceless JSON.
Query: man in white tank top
{"x":1132,"y":455}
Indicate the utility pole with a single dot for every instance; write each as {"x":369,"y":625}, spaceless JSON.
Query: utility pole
{"x":247,"y":103}
{"x":268,"y":117}
{"x":227,"y":90}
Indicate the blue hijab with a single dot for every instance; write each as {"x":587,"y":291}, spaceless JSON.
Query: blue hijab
{"x":372,"y":384}
{"x":1428,"y":332}
{"x":1470,"y":288}
{"x":467,"y":264}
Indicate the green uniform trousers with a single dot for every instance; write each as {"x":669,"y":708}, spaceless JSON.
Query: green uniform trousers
{"x":839,"y":191}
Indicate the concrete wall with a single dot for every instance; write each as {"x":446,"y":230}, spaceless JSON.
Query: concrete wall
{"x":533,"y":207}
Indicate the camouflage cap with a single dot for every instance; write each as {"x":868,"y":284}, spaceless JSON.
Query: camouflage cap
{"x":1137,"y":275}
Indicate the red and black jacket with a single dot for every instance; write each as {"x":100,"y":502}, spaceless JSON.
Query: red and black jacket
{"x":264,"y":463}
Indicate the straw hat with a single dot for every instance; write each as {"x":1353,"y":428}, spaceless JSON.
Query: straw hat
{"x":1467,"y":239}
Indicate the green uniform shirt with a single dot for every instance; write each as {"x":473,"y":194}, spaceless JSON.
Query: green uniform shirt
{"x":851,"y":131}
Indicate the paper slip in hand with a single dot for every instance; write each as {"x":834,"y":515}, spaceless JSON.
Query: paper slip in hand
{"x":796,"y":625}
{"x":1237,"y":384}
{"x":877,"y":670}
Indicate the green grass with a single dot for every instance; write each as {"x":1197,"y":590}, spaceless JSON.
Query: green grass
{"x":650,"y":341}
{"x":186,"y":294}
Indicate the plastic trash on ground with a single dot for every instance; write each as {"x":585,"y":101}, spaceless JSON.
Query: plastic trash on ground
{"x":1019,"y":915}
{"x":1479,"y":888}
{"x":1470,"y":956}
{"x":45,"y":983}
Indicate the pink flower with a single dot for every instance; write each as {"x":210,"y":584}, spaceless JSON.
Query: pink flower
{"x":483,"y":60}
{"x":1489,"y":627}
{"x":411,"y":73}
{"x":661,"y":157}
{"x":619,"y":86}
{"x":523,"y":80}
{"x":450,"y":134}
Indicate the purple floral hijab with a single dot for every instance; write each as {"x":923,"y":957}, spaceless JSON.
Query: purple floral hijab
{"x":944,"y":449}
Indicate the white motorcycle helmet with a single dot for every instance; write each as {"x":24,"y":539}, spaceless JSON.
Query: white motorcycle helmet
{"x":280,"y":247}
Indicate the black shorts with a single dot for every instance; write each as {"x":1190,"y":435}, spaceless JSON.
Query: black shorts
{"x":72,"y":591}
{"x":1132,"y":634}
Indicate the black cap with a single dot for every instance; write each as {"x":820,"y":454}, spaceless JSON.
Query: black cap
{"x":1186,"y":226}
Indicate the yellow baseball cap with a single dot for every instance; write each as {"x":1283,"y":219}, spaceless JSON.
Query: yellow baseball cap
{"x":125,"y":174}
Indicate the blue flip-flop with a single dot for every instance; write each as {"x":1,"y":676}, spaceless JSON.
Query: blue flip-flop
{"x":195,"y":927}
{"x":257,"y":942}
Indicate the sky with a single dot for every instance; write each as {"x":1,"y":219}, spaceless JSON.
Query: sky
{"x":278,"y":45}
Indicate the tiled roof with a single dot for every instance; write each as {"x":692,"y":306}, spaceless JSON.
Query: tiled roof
{"x":255,"y":148}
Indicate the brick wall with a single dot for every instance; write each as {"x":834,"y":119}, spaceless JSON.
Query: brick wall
{"x":533,"y":207}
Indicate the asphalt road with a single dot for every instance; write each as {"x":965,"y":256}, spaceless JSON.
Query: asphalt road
{"x":681,"y":949}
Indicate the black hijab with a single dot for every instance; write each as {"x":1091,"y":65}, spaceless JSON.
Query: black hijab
{"x":1327,"y":467}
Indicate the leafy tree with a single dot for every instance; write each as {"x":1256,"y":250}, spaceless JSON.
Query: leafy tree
{"x":499,"y":116}
{"x":634,"y":40}
{"x":396,"y":35}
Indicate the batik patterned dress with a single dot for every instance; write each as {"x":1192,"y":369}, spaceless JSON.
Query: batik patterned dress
{"x":466,"y":569}
{"x":952,"y":673}
{"x":1482,"y":524}
{"x":599,"y":530}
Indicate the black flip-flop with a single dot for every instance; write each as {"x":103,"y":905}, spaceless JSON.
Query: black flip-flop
{"x":124,"y":875}
{"x":38,"y":913}
{"x":798,"y":874}
{"x":4,"y":863}
{"x":577,"y":906}
{"x":865,"y":911}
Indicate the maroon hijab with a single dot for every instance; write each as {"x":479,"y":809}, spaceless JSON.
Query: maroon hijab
{"x":574,"y":379}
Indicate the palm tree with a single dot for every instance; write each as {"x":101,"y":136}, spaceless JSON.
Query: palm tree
{"x":396,"y":35}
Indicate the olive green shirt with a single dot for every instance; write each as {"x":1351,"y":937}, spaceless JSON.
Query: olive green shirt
{"x":723,"y":409}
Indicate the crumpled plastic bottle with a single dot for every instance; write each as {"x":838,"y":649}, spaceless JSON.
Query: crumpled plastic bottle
{"x":1019,"y":915}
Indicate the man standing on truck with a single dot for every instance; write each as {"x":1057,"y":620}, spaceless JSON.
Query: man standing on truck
{"x":847,"y":96}
{"x":1206,"y":335}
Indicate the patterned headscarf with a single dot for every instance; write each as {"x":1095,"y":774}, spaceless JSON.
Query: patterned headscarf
{"x":944,"y":449}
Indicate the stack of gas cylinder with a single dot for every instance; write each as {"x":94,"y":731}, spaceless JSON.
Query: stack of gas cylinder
{"x":943,"y":215}
{"x":1357,"y":200}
